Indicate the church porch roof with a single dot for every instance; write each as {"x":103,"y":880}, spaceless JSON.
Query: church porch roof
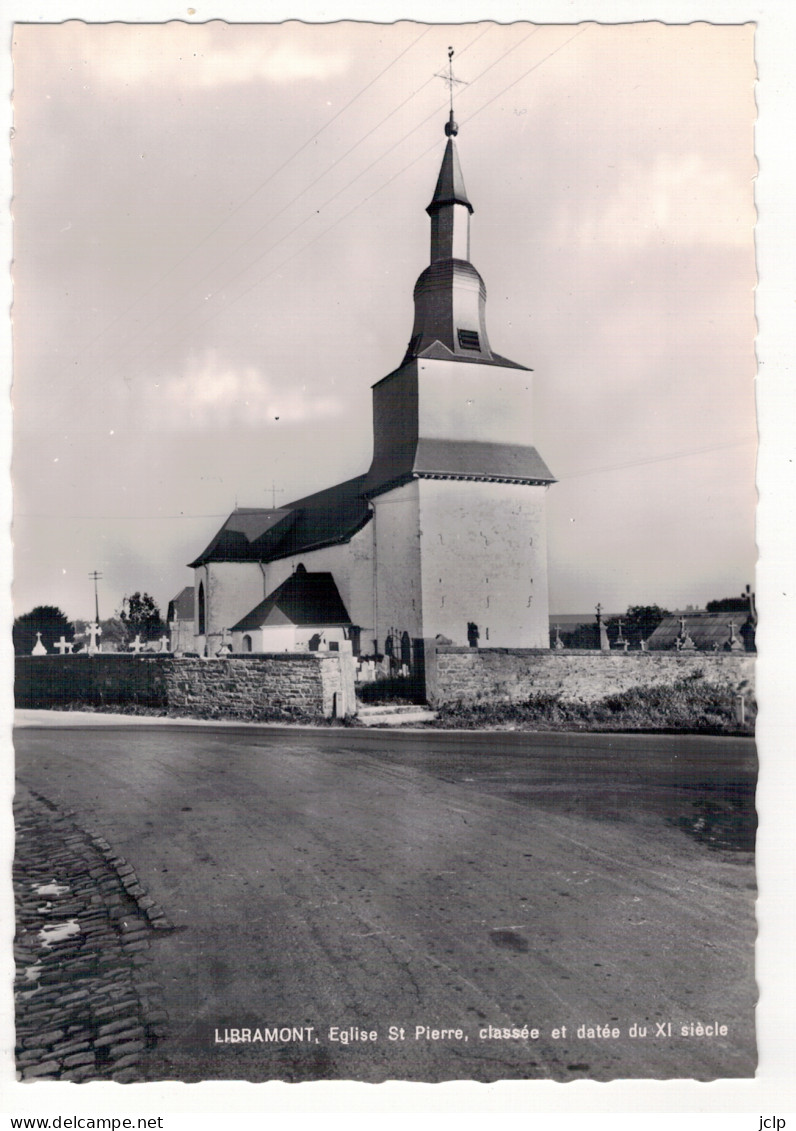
{"x":308,"y":600}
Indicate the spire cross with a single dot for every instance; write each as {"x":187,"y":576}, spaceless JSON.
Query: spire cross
{"x":450,"y":80}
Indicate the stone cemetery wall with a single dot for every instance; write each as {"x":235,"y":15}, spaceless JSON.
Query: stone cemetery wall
{"x":286,"y":683}
{"x":278,"y":685}
{"x":456,"y":674}
{"x":58,"y":681}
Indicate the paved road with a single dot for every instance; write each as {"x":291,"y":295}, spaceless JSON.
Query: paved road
{"x":340,"y":879}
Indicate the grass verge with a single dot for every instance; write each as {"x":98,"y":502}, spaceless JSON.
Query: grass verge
{"x":691,"y":705}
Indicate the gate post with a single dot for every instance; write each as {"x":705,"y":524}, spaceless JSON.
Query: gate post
{"x":424,"y":669}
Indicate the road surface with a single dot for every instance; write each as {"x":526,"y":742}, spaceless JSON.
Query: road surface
{"x":437,"y":888}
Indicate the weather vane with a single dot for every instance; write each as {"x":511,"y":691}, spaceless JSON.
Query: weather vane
{"x":451,"y":129}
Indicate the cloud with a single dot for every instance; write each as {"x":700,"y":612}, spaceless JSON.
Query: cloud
{"x":676,"y":200}
{"x":212,"y":392}
{"x":210,"y":56}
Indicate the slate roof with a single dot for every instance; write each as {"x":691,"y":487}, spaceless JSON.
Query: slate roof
{"x":323,"y":519}
{"x":181,"y":606}
{"x":705,"y":629}
{"x":450,"y":183}
{"x":310,"y":600}
{"x":460,"y":459}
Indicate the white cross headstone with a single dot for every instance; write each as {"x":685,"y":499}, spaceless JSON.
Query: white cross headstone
{"x":93,"y":632}
{"x":38,"y":647}
{"x":64,"y":646}
{"x":165,"y":644}
{"x":136,"y":645}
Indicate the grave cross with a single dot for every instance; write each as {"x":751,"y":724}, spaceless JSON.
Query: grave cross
{"x":38,"y":647}
{"x":93,"y":632}
{"x":682,"y":626}
{"x":64,"y":646}
{"x":164,"y":643}
{"x":136,"y":645}
{"x":733,"y":644}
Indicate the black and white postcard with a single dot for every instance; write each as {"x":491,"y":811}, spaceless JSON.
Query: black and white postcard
{"x":396,"y":557}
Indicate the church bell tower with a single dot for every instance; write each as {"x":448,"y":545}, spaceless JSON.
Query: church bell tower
{"x":457,"y":487}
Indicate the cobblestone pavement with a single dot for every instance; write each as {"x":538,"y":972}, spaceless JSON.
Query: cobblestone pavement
{"x":87,"y":1007}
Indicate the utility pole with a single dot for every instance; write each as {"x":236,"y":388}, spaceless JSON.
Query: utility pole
{"x":95,"y":577}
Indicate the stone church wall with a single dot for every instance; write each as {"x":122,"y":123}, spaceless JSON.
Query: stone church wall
{"x":279,"y":685}
{"x":500,"y":675}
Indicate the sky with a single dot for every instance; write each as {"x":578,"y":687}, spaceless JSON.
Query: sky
{"x":217,"y":229}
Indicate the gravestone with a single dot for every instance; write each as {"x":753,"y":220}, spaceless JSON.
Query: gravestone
{"x":136,"y":645}
{"x":64,"y":646}
{"x":93,"y":632}
{"x":605,"y":644}
{"x":684,"y":643}
{"x":38,"y":647}
{"x":733,"y":644}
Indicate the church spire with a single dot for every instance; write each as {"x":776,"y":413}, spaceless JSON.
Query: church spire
{"x":450,"y":209}
{"x":450,"y":296}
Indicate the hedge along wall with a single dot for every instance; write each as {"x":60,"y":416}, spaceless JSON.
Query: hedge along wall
{"x":272,"y":686}
{"x":456,"y":674}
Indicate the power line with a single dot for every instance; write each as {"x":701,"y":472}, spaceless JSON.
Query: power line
{"x":117,"y":517}
{"x":561,"y":479}
{"x":655,"y":459}
{"x":255,"y":192}
{"x":364,"y":200}
{"x":143,"y":351}
{"x":275,"y":216}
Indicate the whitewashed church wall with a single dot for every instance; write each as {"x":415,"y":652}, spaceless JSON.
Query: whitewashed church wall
{"x":484,"y":560}
{"x":232,"y":589}
{"x":472,"y":402}
{"x":397,"y":548}
{"x":351,"y":566}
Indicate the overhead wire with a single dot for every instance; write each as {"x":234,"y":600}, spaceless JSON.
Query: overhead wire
{"x":255,"y":192}
{"x":274,"y":216}
{"x":706,"y":449}
{"x":177,"y":341}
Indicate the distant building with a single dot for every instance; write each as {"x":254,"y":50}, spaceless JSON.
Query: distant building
{"x":180,"y":621}
{"x":709,"y":632}
{"x":445,"y":535}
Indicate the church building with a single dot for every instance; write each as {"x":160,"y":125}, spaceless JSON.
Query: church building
{"x":443,"y":536}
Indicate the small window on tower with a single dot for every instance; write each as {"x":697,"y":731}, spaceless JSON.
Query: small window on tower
{"x":468,"y":340}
